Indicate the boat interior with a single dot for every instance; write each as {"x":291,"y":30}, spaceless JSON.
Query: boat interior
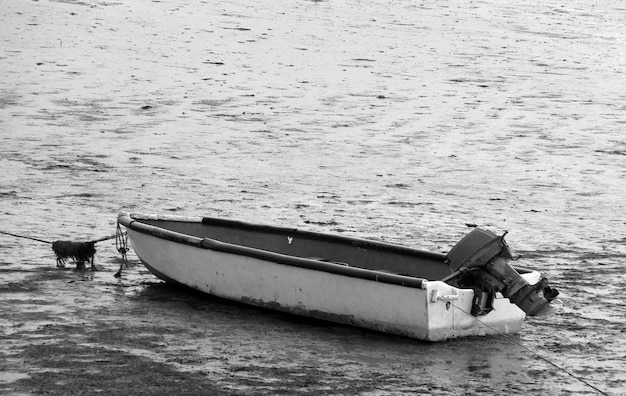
{"x":353,"y":252}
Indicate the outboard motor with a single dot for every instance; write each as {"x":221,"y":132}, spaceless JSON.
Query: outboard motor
{"x":480,"y":261}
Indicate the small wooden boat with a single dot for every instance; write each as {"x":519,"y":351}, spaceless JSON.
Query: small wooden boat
{"x":430,"y":296}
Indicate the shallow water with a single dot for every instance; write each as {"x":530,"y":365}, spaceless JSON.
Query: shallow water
{"x":399,"y":122}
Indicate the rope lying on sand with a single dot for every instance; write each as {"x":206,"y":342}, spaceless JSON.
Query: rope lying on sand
{"x":511,"y":340}
{"x":80,"y":252}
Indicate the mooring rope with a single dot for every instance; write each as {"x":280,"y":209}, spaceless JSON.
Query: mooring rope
{"x":121,"y":245}
{"x":104,"y":238}
{"x":50,"y":242}
{"x":80,"y":252}
{"x":25,"y":237}
{"x":510,"y":339}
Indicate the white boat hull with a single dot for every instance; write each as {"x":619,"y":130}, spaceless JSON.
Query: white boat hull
{"x":434,"y":312}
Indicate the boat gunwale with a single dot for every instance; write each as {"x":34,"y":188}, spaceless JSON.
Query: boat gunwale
{"x":134,"y":222}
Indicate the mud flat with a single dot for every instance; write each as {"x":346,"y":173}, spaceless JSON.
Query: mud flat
{"x":396,"y":121}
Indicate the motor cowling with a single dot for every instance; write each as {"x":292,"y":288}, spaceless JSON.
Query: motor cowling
{"x":481,"y":261}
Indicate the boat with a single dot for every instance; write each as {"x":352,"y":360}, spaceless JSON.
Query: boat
{"x":470,"y":291}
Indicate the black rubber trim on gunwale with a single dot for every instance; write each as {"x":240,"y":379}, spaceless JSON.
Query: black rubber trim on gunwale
{"x":212,"y":244}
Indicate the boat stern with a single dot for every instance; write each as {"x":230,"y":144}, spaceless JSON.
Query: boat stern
{"x":449,"y":313}
{"x":480,"y":261}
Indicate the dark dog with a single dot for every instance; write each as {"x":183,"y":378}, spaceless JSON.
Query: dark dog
{"x":80,"y":252}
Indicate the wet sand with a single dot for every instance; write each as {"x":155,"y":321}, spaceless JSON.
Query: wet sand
{"x":397,"y":122}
